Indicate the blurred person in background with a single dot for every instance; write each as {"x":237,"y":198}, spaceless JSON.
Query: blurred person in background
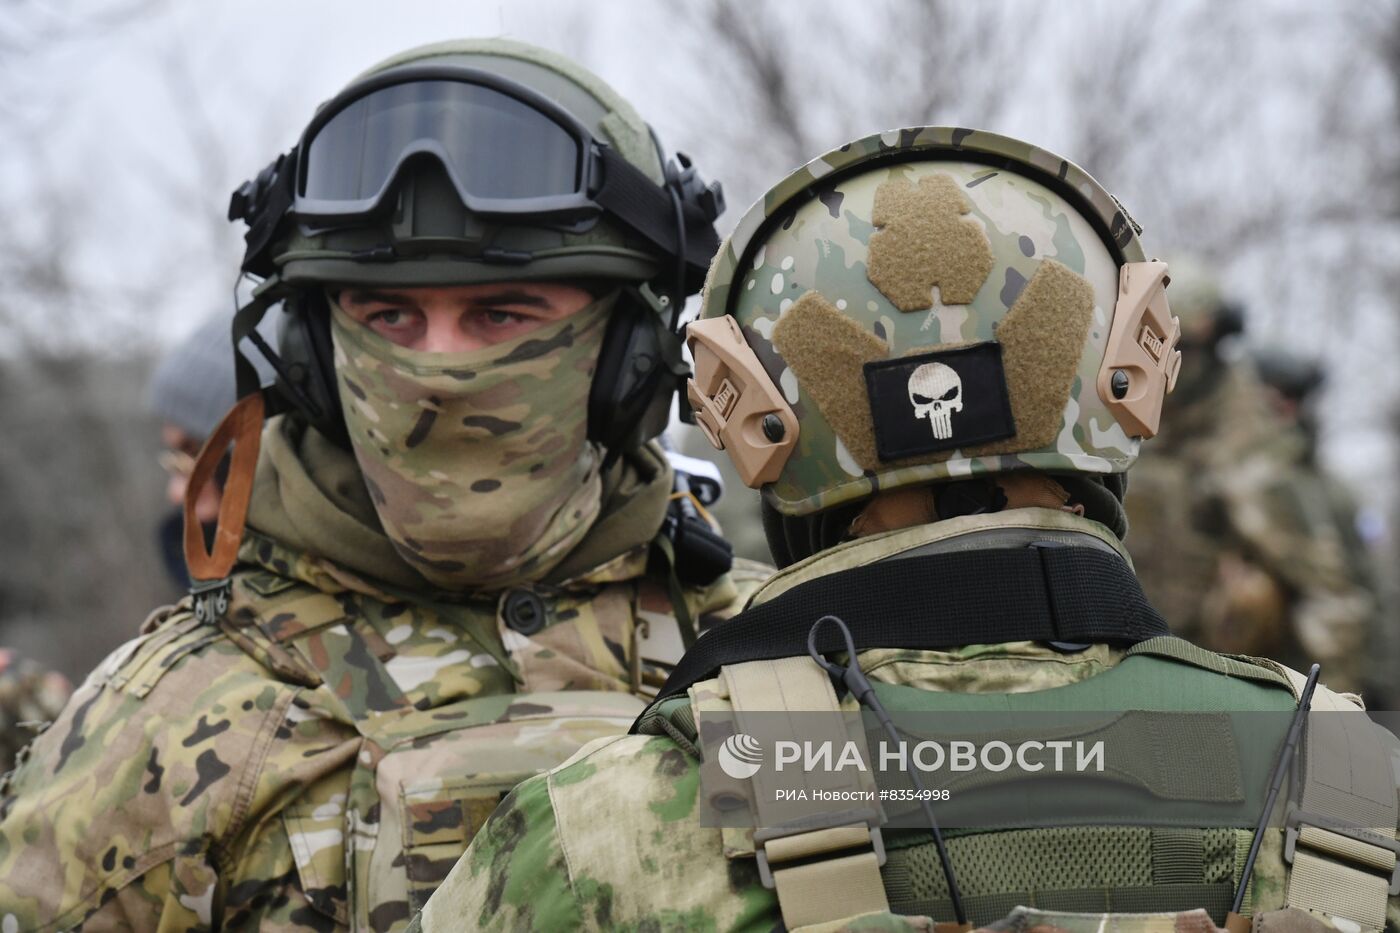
{"x":464,"y":556}
{"x":30,"y":698}
{"x":1215,"y":526}
{"x":1327,"y":506}
{"x":191,"y":390}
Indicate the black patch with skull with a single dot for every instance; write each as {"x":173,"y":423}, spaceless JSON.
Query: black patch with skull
{"x":939,"y":401}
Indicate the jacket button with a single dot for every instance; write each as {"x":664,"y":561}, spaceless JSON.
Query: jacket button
{"x":524,"y":612}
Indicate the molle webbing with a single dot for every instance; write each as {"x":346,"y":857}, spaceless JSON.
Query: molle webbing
{"x":937,"y":601}
{"x":825,"y":865}
{"x":1082,"y":869}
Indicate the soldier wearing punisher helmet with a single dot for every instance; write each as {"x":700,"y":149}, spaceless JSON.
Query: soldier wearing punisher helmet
{"x":936,"y":352}
{"x":453,"y":556}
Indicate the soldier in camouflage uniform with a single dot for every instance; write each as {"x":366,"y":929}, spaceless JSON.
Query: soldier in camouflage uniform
{"x":1225,"y":547}
{"x":30,"y":698}
{"x":458,"y":564}
{"x":935,"y":351}
{"x":1326,"y":506}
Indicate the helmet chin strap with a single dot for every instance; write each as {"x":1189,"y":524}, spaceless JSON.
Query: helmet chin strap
{"x":210,"y":569}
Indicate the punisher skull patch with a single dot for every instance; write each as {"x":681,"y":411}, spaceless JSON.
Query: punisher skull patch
{"x":939,"y":401}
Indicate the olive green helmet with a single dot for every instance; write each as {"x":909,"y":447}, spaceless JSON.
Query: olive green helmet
{"x":477,"y":161}
{"x":927,"y":304}
{"x":438,"y":241}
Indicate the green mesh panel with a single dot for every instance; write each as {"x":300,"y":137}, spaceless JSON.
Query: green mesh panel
{"x":1090,"y":869}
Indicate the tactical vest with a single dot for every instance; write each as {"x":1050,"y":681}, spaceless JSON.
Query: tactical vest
{"x":421,"y":772}
{"x":1330,"y":860}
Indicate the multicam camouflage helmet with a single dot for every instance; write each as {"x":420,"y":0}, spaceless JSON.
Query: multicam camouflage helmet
{"x":437,"y":241}
{"x":925,"y":304}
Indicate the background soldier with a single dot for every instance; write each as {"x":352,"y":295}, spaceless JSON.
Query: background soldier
{"x":30,"y":698}
{"x":1231,"y":548}
{"x":1325,"y":506}
{"x":190,"y":391}
{"x":936,"y":351}
{"x":459,"y":562}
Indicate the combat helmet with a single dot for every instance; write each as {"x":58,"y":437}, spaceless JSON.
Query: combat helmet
{"x":474,"y":161}
{"x":929,"y":304}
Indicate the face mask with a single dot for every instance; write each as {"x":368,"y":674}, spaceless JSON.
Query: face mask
{"x":478,"y":463}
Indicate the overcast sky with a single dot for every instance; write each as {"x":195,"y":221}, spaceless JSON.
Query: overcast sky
{"x":135,"y":126}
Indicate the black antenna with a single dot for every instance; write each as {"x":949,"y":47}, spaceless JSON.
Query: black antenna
{"x":1285,"y":756}
{"x":855,"y":681}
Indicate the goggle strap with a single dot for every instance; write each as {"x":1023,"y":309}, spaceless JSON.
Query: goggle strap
{"x":647,"y":208}
{"x":245,"y":324}
{"x":267,"y":212}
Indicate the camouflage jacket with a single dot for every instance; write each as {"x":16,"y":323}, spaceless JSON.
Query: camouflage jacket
{"x":319,"y":757}
{"x":612,"y":839}
{"x":1235,"y":539}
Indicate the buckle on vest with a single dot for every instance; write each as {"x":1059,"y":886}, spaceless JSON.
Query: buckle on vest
{"x":211,"y":598}
{"x":822,"y":838}
{"x":1356,"y":847}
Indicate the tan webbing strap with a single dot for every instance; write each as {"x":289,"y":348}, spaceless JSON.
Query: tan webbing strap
{"x":823,"y":864}
{"x":1340,"y":830}
{"x":1344,"y":847}
{"x":823,"y":891}
{"x":1320,"y":884}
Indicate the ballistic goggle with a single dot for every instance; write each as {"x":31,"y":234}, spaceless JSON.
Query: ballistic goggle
{"x":509,"y":152}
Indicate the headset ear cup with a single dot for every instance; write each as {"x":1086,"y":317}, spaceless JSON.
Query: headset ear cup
{"x":629,"y":402}
{"x":306,"y":349}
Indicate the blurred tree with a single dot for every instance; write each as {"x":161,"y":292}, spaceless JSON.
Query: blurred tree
{"x":79,"y":487}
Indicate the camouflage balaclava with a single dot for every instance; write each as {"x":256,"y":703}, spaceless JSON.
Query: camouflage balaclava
{"x":478,"y":463}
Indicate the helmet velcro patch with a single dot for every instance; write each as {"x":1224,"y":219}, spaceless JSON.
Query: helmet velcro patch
{"x":1042,"y":338}
{"x":1037,"y":350}
{"x":925,"y":241}
{"x":827,"y":351}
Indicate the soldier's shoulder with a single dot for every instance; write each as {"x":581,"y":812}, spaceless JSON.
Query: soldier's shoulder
{"x":729,"y":593}
{"x":748,"y":574}
{"x":598,"y":842}
{"x":180,"y":684}
{"x":619,"y":770}
{"x":153,"y":757}
{"x":179,"y":663}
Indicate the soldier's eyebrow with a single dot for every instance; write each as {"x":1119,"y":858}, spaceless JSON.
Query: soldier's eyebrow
{"x":365,"y":296}
{"x":510,"y":297}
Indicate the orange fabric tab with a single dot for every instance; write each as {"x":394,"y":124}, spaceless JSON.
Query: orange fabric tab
{"x":241,"y":427}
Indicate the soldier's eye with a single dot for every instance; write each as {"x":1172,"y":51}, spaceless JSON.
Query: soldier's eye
{"x":390,"y":318}
{"x":498,"y":317}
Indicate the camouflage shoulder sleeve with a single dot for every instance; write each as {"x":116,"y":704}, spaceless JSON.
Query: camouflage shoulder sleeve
{"x":514,"y":875}
{"x":728,"y":595}
{"x":148,"y":771}
{"x":610,"y":839}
